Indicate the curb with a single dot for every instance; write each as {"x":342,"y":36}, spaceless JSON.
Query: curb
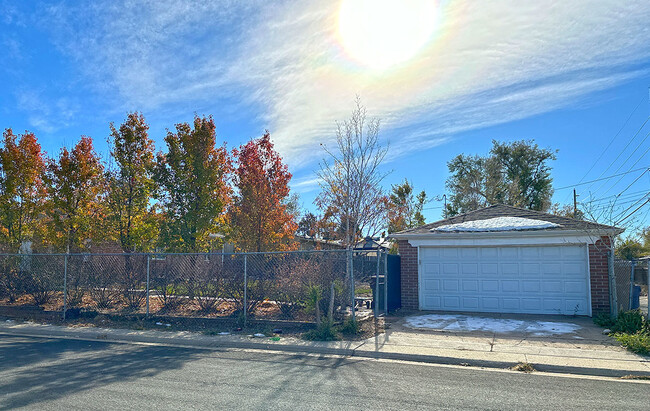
{"x":104,"y":335}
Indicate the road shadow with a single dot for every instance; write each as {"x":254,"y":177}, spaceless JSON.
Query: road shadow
{"x":33,"y":370}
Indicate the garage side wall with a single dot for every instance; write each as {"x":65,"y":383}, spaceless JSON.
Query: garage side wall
{"x":599,"y":275}
{"x":409,"y":267}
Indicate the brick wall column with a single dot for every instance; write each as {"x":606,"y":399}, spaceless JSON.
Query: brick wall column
{"x":599,"y":275}
{"x":409,"y":274}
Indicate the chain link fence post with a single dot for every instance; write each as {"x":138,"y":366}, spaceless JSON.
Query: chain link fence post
{"x":385,"y":283}
{"x":148,"y":276}
{"x":629,"y":307}
{"x":613,"y":300}
{"x":245,"y":289}
{"x":65,"y":285}
{"x":376,"y":297}
{"x":350,"y":268}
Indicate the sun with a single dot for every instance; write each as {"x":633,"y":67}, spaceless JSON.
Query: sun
{"x":383,"y":33}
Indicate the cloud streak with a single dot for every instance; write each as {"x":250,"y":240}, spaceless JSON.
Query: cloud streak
{"x":488,"y":63}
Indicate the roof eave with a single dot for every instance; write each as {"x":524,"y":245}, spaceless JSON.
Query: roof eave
{"x":513,"y":233}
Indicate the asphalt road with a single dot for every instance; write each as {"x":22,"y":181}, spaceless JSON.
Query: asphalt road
{"x":41,"y":373}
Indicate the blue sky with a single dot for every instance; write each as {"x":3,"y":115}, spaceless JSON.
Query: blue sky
{"x":567,"y":74}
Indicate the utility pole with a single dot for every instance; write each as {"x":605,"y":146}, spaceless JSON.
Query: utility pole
{"x":575,"y":204}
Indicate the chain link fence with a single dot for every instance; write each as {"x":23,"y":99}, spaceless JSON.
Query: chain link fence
{"x":297,"y":285}
{"x":631,"y":285}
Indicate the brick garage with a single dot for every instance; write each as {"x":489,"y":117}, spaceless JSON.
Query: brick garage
{"x":507,"y":259}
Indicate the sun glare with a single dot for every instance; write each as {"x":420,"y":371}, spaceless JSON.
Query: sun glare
{"x":383,"y":33}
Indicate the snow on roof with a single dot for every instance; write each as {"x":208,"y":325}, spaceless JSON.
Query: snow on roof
{"x":498,"y":224}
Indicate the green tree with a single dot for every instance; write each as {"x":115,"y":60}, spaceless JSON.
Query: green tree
{"x":22,"y":191}
{"x":193,"y":189}
{"x":75,"y":185}
{"x":131,"y":184}
{"x":514,"y":173}
{"x":405,"y":207}
{"x":629,"y":249}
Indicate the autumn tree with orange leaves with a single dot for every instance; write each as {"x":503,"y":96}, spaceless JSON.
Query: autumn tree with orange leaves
{"x":193,"y":186}
{"x":261,"y":217}
{"x":21,"y":188}
{"x":75,"y":185}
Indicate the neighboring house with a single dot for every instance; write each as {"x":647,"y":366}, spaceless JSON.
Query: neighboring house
{"x":505,"y":259}
{"x":306,"y":243}
{"x":372,"y":244}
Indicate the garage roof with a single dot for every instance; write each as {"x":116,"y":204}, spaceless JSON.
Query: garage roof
{"x":501,"y":210}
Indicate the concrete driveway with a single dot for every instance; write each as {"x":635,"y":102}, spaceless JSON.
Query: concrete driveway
{"x":552,"y":340}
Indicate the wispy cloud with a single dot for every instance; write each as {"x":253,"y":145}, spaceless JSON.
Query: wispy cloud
{"x":488,"y":63}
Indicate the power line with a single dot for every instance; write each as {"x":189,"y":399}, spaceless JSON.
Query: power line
{"x":622,"y":203}
{"x":632,"y":213}
{"x":625,"y":148}
{"x":601,"y":179}
{"x":613,"y":138}
{"x":626,"y":160}
{"x":630,"y":185}
{"x":614,"y":195}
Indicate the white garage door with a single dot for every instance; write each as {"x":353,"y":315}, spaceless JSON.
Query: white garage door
{"x":537,"y":280}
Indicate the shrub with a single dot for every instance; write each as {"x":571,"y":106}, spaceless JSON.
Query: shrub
{"x":630,"y":322}
{"x":324,"y":332}
{"x":350,"y":327}
{"x":604,"y":320}
{"x":638,"y":342}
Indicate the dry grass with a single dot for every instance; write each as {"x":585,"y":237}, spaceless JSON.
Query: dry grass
{"x":635,"y":377}
{"x":523,"y":367}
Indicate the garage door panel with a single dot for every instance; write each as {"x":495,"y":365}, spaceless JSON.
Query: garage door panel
{"x":510,"y":286}
{"x":433,"y":302}
{"x":511,"y":304}
{"x":551,"y":304}
{"x":552,"y":269}
{"x":451,"y":302}
{"x":430,"y":268}
{"x":488,"y":252}
{"x":490,"y":303}
{"x":530,"y":252}
{"x":552,"y":286}
{"x":452,"y":268}
{"x":509,"y":269}
{"x":552,"y":252}
{"x":470,"y":303}
{"x":570,"y":252}
{"x":470,"y":285}
{"x":508,"y":252}
{"x":531,"y":286}
{"x":469,"y":253}
{"x":531,"y":304}
{"x":450,"y":252}
{"x":489,"y":285}
{"x":570,"y":269}
{"x":543,"y":279}
{"x":469,"y":269}
{"x":431,"y":285}
{"x":450,"y":285}
{"x":530,"y":269}
{"x":575,"y":287}
{"x":576,"y":305}
{"x":489,"y":268}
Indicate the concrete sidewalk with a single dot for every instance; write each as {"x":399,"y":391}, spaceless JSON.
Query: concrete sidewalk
{"x":572,"y":357}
